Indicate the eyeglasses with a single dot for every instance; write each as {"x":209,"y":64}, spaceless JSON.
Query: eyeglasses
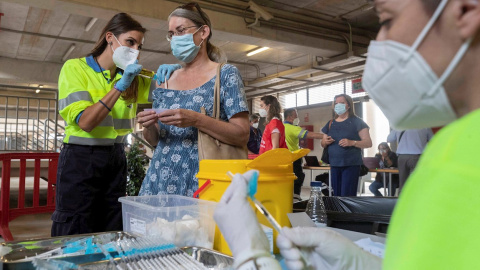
{"x":179,"y":32}
{"x":192,"y":7}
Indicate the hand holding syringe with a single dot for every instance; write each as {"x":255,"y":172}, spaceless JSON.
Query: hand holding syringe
{"x":163,"y":73}
{"x":252,"y":190}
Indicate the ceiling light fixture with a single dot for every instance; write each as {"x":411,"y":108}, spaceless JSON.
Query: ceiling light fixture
{"x":90,"y":24}
{"x":69,"y":51}
{"x":258,"y":50}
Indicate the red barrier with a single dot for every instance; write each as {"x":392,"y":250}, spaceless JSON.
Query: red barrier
{"x":8,"y":214}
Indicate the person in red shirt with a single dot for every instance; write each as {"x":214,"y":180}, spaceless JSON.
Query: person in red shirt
{"x":274,"y":133}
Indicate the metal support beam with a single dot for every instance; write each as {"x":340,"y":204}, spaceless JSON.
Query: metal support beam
{"x":262,"y":92}
{"x":334,"y":64}
{"x":69,"y":39}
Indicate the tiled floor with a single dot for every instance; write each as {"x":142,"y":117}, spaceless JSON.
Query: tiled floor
{"x":30,"y":226}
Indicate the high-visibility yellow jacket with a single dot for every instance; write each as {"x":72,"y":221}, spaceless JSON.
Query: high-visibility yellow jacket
{"x":80,"y":85}
{"x":436,"y":222}
{"x":293,"y":134}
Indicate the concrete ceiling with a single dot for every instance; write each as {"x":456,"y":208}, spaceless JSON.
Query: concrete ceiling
{"x":310,"y":40}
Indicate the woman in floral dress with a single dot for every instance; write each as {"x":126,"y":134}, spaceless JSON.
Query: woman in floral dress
{"x":175,"y":130}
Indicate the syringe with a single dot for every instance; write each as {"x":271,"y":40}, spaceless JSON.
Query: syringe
{"x":262,"y":209}
{"x":147,"y":73}
{"x":252,"y":189}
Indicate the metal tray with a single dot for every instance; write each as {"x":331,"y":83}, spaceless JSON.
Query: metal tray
{"x":23,"y":252}
{"x":212,"y":259}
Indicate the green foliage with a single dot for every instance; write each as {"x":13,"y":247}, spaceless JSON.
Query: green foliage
{"x":136,"y":162}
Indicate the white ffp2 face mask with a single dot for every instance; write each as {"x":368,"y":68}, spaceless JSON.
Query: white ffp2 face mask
{"x":255,"y":125}
{"x":296,"y":121}
{"x":124,"y":56}
{"x":262,"y":112}
{"x":404,"y":86}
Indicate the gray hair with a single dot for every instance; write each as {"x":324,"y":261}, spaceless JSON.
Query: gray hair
{"x":254,"y":117}
{"x":214,"y":53}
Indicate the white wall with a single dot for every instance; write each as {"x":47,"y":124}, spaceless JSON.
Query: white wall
{"x":379,"y":126}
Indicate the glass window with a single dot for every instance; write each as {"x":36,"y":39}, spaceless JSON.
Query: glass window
{"x":288,"y":100}
{"x":256,"y":105}
{"x":302,"y":98}
{"x":324,"y":93}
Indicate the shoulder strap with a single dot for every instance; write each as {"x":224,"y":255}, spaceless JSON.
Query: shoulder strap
{"x":329,"y":125}
{"x":216,"y":93}
{"x":401,"y":134}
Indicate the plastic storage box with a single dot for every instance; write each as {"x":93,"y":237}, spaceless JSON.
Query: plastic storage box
{"x":180,"y":220}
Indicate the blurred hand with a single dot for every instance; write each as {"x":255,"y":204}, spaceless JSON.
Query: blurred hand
{"x":324,"y":249}
{"x":147,"y":118}
{"x":328,"y":140}
{"x":129,"y":74}
{"x":346,"y":142}
{"x":237,"y":220}
{"x":164,"y":71}
{"x":179,"y":117}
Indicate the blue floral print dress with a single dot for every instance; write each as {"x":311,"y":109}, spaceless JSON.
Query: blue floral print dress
{"x":175,"y":160}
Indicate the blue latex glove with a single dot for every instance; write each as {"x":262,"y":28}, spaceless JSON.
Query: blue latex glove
{"x":129,"y":74}
{"x":164,"y":71}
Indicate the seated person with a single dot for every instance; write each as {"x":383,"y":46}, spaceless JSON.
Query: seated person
{"x":387,"y":159}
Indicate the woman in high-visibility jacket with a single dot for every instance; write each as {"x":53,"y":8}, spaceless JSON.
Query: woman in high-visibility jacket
{"x":98,"y":101}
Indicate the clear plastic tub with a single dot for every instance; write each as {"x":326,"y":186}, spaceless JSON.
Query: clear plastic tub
{"x":181,"y":220}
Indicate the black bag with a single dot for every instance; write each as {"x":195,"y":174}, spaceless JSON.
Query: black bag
{"x":325,"y":157}
{"x":324,"y":179}
{"x":363,"y":170}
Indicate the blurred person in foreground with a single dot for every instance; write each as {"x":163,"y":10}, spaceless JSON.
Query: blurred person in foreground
{"x":435,"y":222}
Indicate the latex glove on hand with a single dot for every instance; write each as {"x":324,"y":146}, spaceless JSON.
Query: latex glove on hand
{"x":129,"y":74}
{"x":324,"y":249}
{"x":164,"y":71}
{"x":239,"y":225}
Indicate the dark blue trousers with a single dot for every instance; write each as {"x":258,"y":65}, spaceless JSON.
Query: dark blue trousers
{"x":90,"y":179}
{"x":298,"y":171}
{"x":345,"y":180}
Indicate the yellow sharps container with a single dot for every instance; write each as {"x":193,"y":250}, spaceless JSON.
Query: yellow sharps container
{"x":275,"y":185}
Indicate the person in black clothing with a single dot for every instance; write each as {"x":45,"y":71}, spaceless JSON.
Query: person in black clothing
{"x":253,"y":144}
{"x":387,"y":159}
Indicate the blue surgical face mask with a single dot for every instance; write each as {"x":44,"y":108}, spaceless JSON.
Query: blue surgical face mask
{"x":184,"y":48}
{"x":340,"y":108}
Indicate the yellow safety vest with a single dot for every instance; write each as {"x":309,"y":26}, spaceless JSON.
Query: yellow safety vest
{"x":80,"y":85}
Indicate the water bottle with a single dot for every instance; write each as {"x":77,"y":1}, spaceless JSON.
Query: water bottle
{"x":315,"y":207}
